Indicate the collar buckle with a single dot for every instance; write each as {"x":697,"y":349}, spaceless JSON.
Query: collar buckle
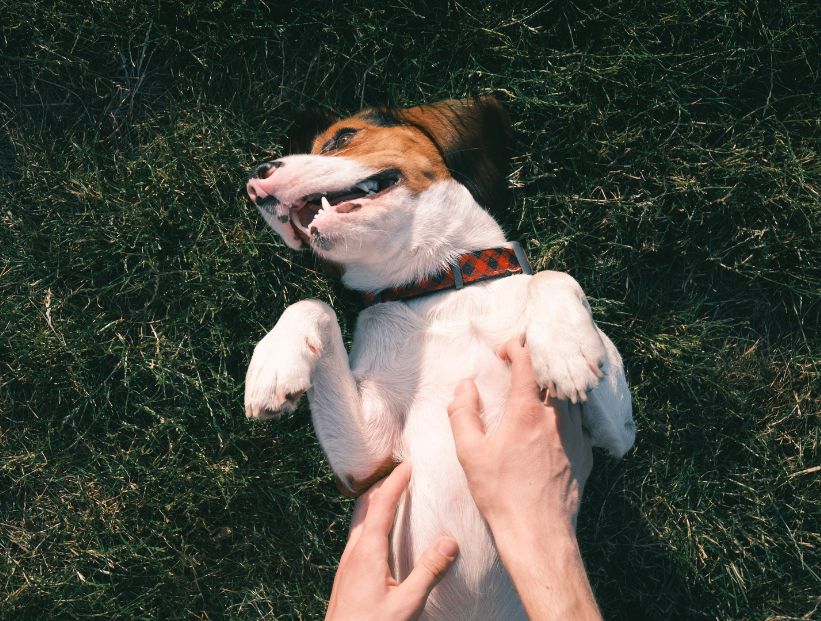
{"x":456,"y":270}
{"x":521,"y":257}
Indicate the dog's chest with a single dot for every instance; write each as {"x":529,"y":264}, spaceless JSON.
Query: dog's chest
{"x":413,"y":355}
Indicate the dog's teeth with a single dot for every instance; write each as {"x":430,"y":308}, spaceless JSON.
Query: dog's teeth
{"x":325,"y":203}
{"x":369,"y":187}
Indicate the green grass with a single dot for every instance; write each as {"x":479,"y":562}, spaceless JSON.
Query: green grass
{"x":667,"y":157}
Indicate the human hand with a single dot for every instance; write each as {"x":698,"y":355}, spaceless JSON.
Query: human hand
{"x":364,"y":588}
{"x":531,"y":470}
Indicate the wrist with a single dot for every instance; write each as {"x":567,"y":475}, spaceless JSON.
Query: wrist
{"x":536,"y":551}
{"x":546,"y":568}
{"x":522,"y":528}
{"x":555,"y":544}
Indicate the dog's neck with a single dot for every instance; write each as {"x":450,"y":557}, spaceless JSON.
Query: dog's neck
{"x":447,"y":223}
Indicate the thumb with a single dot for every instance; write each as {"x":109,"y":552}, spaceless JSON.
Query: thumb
{"x":463,"y":413}
{"x":429,"y":570}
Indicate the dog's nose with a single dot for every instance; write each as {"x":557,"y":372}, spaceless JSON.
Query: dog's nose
{"x":260,"y":185}
{"x":265,"y":170}
{"x":255,"y":193}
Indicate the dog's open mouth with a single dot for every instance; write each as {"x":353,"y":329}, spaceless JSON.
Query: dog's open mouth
{"x":306,"y":210}
{"x":342,"y":201}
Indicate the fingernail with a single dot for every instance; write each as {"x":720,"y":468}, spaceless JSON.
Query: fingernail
{"x":448,"y":548}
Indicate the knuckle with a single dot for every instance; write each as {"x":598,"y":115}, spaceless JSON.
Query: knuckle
{"x":431,"y":565}
{"x":526,"y":405}
{"x":457,"y":409}
{"x":465,"y":456}
{"x":380,"y":498}
{"x":532,"y":412}
{"x":466,"y":445}
{"x":357,"y":555}
{"x":376,"y":506}
{"x":534,"y":408}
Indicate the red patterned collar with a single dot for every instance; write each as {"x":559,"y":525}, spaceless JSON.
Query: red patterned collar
{"x":469,"y":268}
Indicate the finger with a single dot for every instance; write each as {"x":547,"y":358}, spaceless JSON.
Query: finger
{"x":523,"y":377}
{"x":360,"y":510}
{"x":463,"y":413}
{"x":382,"y":505}
{"x":358,"y":521}
{"x":558,"y":415}
{"x":429,"y":570}
{"x":573,"y":415}
{"x":574,"y":438}
{"x":587,"y":443}
{"x":585,"y":465}
{"x":568,"y":417}
{"x":597,"y":369}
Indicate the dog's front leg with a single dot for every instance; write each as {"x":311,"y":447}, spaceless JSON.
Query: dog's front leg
{"x":303,"y":353}
{"x":565,"y":345}
{"x":576,"y":361}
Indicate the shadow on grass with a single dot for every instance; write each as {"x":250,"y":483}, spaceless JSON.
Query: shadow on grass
{"x":633,"y":574}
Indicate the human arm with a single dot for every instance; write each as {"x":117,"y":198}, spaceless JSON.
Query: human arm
{"x":364,"y":588}
{"x":527,"y":480}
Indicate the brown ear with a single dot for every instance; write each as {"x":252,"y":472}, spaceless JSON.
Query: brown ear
{"x":473,"y":136}
{"x":308,"y":123}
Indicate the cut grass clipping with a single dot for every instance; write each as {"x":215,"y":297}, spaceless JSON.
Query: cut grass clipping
{"x":666,"y":157}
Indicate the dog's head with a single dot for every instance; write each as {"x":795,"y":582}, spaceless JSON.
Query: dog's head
{"x":353,"y":186}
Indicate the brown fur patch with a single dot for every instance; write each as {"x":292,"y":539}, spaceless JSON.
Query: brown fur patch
{"x":473,"y":137}
{"x":353,"y":488}
{"x":402,"y":147}
{"x":464,"y":139}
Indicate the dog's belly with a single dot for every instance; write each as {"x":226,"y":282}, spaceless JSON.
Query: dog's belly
{"x":460,"y":343}
{"x":439,"y":502}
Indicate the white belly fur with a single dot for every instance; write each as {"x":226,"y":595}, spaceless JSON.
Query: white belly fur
{"x":454,"y":336}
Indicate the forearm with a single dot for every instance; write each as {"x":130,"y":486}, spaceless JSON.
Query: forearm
{"x":527,"y":479}
{"x":548,"y":573}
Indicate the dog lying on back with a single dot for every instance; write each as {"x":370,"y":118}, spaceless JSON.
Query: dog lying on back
{"x":398,"y":200}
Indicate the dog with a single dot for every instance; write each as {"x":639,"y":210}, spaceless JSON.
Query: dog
{"x":399,"y":200}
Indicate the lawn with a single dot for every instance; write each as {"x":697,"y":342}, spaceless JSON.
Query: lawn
{"x":667,"y":156}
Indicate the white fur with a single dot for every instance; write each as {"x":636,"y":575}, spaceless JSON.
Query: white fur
{"x":389,"y":397}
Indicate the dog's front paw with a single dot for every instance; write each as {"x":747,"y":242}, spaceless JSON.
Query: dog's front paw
{"x":567,"y":356}
{"x":280,"y":373}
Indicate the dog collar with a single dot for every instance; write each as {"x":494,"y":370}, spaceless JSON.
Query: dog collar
{"x":467,"y":269}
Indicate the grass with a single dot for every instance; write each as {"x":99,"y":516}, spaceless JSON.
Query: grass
{"x":667,"y":157}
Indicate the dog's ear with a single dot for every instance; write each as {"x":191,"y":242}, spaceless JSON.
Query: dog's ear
{"x":474,"y":137}
{"x":307,"y":124}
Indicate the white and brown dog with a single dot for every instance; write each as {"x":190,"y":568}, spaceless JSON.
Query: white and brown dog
{"x":397,"y":198}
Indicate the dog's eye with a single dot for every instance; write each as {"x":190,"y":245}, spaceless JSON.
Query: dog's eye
{"x":341,"y":139}
{"x":344,"y":139}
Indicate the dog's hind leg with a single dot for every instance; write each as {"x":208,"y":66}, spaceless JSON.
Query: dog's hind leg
{"x":608,"y":412}
{"x":304,"y":352}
